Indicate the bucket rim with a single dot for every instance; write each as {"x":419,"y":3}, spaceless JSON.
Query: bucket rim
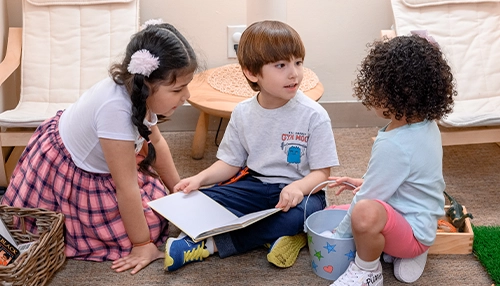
{"x":320,"y":185}
{"x":308,"y":229}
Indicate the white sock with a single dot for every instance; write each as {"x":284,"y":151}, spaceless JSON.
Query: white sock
{"x":366,"y":265}
{"x":209,"y":243}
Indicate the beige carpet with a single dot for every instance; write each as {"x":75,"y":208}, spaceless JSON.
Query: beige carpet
{"x":471,"y":174}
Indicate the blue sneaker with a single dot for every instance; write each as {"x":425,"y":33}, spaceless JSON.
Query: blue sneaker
{"x":183,"y":250}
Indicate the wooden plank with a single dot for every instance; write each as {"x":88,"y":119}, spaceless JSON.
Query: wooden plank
{"x":465,"y":136}
{"x":11,"y":162}
{"x":12,"y":58}
{"x":3,"y":175}
{"x":15,"y":138}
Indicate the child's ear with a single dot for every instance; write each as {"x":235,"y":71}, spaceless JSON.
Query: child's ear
{"x":251,"y":77}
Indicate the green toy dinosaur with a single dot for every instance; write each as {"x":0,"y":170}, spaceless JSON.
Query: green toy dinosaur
{"x":456,"y":213}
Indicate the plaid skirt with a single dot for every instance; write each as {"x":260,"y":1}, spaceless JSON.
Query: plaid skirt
{"x":46,"y":177}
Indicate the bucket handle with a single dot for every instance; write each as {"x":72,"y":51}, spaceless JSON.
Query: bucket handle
{"x":317,"y":186}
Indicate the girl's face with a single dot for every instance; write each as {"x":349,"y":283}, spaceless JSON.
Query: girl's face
{"x":278,"y":82}
{"x":167,"y":98}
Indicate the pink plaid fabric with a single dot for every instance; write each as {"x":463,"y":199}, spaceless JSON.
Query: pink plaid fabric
{"x":46,"y":177}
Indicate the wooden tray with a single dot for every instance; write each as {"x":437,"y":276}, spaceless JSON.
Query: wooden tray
{"x":454,"y":243}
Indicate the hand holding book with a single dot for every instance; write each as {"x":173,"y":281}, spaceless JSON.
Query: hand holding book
{"x":200,"y":217}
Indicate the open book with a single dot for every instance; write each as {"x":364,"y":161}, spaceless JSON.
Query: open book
{"x":199,"y":216}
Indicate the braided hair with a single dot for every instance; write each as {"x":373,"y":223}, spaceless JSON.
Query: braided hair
{"x":175,"y":58}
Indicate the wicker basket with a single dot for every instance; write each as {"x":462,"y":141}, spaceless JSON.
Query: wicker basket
{"x":37,"y":265}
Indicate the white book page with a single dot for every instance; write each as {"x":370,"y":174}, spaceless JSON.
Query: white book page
{"x":238,"y":223}
{"x":193,"y":213}
{"x":252,"y":217}
{"x":5,"y":233}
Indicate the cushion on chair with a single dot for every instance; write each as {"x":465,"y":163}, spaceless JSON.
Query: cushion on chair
{"x":469,"y":35}
{"x":67,"y":47}
{"x":427,"y":3}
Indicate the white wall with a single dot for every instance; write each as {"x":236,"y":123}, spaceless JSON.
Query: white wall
{"x":335,"y":33}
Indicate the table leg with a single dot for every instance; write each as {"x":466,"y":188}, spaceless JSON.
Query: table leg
{"x":200,"y":136}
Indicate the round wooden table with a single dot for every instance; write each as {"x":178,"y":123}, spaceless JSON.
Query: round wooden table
{"x":211,"y":101}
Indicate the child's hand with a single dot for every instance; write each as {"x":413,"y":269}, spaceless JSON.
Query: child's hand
{"x":139,"y":258}
{"x":290,"y":197}
{"x":336,"y":234}
{"x":187,"y":185}
{"x":345,"y":183}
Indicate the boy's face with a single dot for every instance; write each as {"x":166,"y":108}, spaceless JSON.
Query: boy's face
{"x":278,"y":82}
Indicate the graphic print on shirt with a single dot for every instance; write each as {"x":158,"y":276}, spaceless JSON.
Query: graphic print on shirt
{"x":294,"y":145}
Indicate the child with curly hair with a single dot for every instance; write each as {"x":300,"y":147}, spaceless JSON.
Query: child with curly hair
{"x":399,"y":199}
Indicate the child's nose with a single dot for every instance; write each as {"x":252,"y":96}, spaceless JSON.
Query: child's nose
{"x":294,"y":72}
{"x":187,"y":95}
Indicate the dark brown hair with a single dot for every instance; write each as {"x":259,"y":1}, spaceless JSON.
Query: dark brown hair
{"x":407,"y":75}
{"x":176,"y":58}
{"x":268,"y":42}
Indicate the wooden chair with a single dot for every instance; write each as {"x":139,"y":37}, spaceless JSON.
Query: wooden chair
{"x":468,"y":33}
{"x":66,"y":48}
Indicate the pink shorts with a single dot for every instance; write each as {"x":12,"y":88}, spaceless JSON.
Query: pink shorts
{"x":399,"y":239}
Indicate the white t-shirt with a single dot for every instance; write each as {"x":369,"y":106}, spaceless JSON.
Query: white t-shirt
{"x":283,"y":144}
{"x":103,"y":111}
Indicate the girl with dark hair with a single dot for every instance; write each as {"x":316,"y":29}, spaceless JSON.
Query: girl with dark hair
{"x":101,"y":161}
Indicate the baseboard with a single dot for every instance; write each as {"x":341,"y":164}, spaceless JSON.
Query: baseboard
{"x":343,"y":115}
{"x":351,"y":114}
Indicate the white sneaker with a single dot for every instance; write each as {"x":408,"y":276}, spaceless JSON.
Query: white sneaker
{"x":387,"y":258}
{"x":410,"y":269}
{"x":354,"y":276}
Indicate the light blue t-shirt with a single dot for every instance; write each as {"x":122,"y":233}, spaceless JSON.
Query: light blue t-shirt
{"x":405,"y":170}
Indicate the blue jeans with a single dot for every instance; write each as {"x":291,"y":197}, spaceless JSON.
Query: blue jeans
{"x":250,"y":195}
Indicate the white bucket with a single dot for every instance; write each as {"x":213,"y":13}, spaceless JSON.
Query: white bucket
{"x":330,"y":256}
